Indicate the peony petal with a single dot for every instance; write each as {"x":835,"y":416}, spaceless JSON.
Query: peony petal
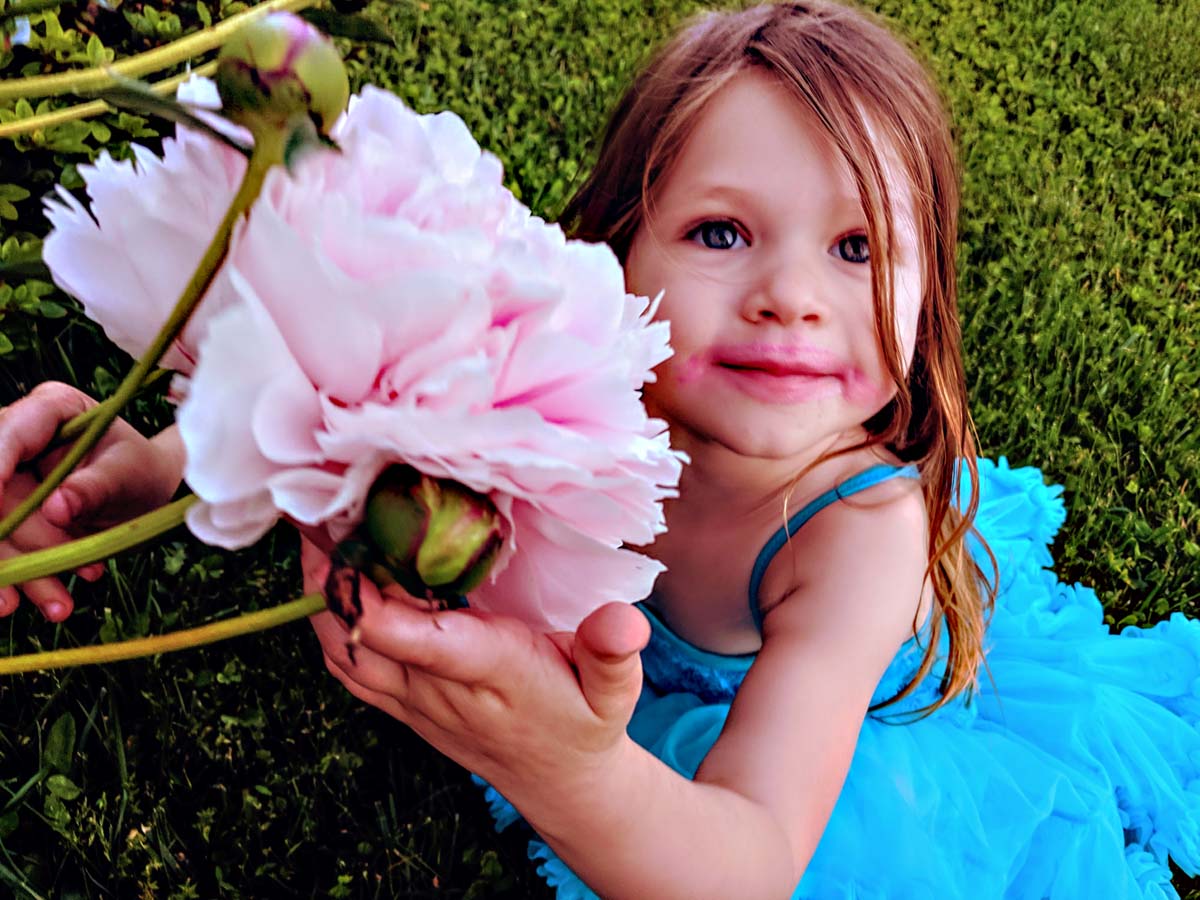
{"x":240,"y":356}
{"x":284,"y":420}
{"x":232,"y":525}
{"x":306,"y":495}
{"x":558,"y":576}
{"x":313,"y":305}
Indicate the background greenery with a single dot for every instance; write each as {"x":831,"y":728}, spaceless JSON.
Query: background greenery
{"x":245,"y":771}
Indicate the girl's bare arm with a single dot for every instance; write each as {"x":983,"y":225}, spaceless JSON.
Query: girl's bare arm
{"x":543,"y":718}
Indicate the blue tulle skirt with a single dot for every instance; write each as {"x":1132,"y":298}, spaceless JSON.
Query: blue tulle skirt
{"x":1073,"y":774}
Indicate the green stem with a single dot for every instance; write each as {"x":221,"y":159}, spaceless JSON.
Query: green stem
{"x":82,"y":81}
{"x":94,"y":547}
{"x":268,"y":150}
{"x":95,"y":107}
{"x":76,"y":426}
{"x":248,"y":623}
{"x":28,"y":8}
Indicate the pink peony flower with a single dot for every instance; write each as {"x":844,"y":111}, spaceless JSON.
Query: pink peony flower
{"x":128,"y":258}
{"x":393,"y":303}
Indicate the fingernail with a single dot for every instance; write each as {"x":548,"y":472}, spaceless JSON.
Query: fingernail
{"x":94,"y":572}
{"x":55,"y":611}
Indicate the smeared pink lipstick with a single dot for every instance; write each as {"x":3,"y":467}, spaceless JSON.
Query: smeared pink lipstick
{"x":785,"y":373}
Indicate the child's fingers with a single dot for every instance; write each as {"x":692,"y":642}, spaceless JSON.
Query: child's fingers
{"x":47,"y":594}
{"x":62,"y":507}
{"x":314,"y":563}
{"x":82,"y":495}
{"x":373,"y":672}
{"x":351,"y":683}
{"x":9,"y":601}
{"x":28,"y":425}
{"x":369,"y":676}
{"x":457,"y":645}
{"x":425,"y":725}
{"x":36,"y":532}
{"x":334,"y":637}
{"x":364,"y":665}
{"x":93,"y":572}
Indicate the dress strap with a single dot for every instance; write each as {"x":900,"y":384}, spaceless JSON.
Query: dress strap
{"x":854,"y":484}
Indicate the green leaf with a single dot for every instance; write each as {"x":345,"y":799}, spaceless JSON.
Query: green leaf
{"x":104,"y":381}
{"x":6,"y":346}
{"x":51,"y":310}
{"x":97,"y":54}
{"x":355,"y":27}
{"x":136,"y":126}
{"x":9,"y":823}
{"x":13,"y":192}
{"x":204,"y":14}
{"x":70,"y":179}
{"x":60,"y":744}
{"x":63,"y":787}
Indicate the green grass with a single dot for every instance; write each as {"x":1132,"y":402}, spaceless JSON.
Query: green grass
{"x":243,"y":770}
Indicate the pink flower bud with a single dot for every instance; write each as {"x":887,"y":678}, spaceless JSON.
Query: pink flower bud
{"x":279,"y":67}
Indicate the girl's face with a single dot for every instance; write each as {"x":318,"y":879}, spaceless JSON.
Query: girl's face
{"x":758,"y":239}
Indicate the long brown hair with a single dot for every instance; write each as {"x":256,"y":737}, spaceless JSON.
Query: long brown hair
{"x":867,"y":91}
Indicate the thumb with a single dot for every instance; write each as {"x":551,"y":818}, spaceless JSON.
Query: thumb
{"x":83,"y":495}
{"x":607,"y":644}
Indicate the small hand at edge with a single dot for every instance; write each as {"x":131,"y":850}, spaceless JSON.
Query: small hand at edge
{"x":126,"y":474}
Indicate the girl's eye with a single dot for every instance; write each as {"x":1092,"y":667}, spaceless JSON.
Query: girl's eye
{"x":853,"y":249}
{"x":719,"y":235}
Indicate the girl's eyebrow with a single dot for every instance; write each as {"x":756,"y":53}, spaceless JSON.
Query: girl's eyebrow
{"x":720,"y":191}
{"x":700,"y":190}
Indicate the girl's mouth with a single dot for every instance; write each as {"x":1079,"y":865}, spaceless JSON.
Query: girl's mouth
{"x":779,"y":373}
{"x":782,"y":386}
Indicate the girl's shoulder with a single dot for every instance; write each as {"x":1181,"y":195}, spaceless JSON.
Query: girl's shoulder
{"x":862,"y":551}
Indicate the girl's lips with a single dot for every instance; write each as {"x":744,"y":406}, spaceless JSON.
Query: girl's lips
{"x":779,"y":386}
{"x":779,"y":373}
{"x":806,"y":359}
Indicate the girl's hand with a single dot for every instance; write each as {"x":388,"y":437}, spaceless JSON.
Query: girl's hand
{"x":125,"y":475}
{"x":529,"y":712}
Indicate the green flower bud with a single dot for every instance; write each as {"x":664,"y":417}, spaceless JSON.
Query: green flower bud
{"x":433,"y":535}
{"x":278,"y":68}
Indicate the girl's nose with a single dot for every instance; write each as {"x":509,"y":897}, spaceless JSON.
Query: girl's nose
{"x":785,"y":293}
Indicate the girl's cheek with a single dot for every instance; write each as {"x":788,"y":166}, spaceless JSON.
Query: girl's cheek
{"x":861,"y":389}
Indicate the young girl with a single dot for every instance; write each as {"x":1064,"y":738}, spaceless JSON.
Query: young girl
{"x":806,"y":716}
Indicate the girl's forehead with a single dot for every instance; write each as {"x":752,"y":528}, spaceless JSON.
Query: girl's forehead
{"x":753,"y":119}
{"x":754,"y":131}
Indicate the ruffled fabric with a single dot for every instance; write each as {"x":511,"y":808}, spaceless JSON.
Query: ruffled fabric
{"x":1075,"y":772}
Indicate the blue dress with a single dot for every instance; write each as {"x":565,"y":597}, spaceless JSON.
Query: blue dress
{"x":1073,"y":774}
